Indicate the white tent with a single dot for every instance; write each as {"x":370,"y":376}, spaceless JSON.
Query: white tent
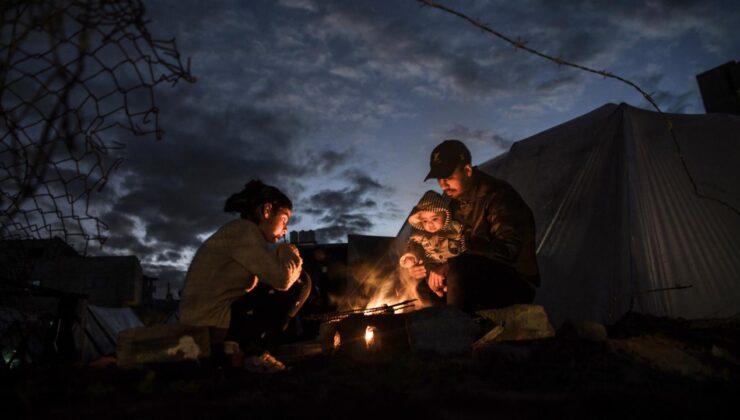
{"x":101,"y":330}
{"x":619,"y":223}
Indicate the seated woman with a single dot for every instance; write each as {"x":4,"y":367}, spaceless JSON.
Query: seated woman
{"x":238,"y":285}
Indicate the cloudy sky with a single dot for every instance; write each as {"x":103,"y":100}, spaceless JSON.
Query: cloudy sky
{"x":339,"y":103}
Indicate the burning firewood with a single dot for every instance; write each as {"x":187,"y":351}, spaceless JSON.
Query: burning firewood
{"x":383,"y":309}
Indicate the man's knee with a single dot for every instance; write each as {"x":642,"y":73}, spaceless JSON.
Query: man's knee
{"x":426,"y":295}
{"x":304,"y":284}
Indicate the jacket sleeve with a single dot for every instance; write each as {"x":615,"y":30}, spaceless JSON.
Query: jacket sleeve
{"x":278,"y":268}
{"x":507,"y":223}
{"x":414,"y":246}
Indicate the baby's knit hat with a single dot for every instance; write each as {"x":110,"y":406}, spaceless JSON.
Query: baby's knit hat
{"x":430,"y":201}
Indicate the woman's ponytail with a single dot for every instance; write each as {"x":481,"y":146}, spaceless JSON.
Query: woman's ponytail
{"x":249,"y":201}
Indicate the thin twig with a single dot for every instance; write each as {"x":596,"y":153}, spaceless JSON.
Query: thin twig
{"x":333,"y":316}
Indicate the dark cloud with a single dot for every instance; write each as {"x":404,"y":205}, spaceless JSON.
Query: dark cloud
{"x":287,"y":94}
{"x":123,"y":236}
{"x":668,"y":101}
{"x":328,"y":160}
{"x":340,"y":210}
{"x":343,"y":224}
{"x":556,"y":83}
{"x":169,"y":256}
{"x":176,"y":188}
{"x":363,"y":182}
{"x":481,"y":136}
{"x":675,"y":103}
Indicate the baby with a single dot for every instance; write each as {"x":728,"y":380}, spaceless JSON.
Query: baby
{"x":436,"y":237}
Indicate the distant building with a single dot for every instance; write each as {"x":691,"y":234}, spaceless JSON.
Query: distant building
{"x":107,"y":281}
{"x":327,"y":266}
{"x":148,"y":289}
{"x":303,"y":237}
{"x":112,"y":281}
{"x":720,"y":88}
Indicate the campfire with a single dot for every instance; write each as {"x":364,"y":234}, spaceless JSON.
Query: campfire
{"x":366,"y":334}
{"x":372,"y":324}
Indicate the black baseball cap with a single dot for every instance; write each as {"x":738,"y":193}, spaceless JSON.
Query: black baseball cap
{"x":447,"y":156}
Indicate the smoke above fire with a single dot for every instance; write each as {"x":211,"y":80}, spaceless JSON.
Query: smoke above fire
{"x":372,"y":286}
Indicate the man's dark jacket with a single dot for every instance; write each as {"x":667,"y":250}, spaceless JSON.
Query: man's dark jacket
{"x":498,"y":225}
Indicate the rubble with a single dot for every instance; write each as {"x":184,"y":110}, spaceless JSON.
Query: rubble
{"x":663,"y":354}
{"x":670,"y":368}
{"x":162,"y":343}
{"x":519,"y":322}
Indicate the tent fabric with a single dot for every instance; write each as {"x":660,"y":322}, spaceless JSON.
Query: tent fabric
{"x":173,"y":318}
{"x":102,"y":327}
{"x":620,"y":226}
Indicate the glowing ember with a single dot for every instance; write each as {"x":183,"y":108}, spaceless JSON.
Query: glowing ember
{"x":337,"y":340}
{"x":369,"y":336}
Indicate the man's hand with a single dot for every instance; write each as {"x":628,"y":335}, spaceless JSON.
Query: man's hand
{"x":417,"y":271}
{"x":438,"y":279}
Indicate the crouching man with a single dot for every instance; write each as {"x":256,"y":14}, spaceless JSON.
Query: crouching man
{"x":498,"y":267}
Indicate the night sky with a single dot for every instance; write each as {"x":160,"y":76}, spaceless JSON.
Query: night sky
{"x":339,"y":103}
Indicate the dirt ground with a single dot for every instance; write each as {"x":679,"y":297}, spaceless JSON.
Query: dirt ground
{"x":647,"y":367}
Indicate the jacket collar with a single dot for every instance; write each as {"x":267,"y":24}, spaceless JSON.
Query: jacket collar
{"x":476,"y":189}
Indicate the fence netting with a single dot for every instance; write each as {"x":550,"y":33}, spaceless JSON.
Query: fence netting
{"x":77,"y":80}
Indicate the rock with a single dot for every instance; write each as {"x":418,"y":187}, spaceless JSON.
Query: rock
{"x":162,"y":343}
{"x":441,"y":330}
{"x":520,"y":322}
{"x":663,"y":354}
{"x":582,"y":330}
{"x":490,"y":336}
{"x":723,"y":354}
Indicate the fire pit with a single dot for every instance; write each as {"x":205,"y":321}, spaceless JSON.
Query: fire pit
{"x":366,"y":335}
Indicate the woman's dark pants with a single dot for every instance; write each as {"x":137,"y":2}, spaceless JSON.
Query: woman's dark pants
{"x":263,"y":313}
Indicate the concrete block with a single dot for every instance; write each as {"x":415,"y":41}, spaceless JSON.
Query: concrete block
{"x":162,"y":343}
{"x":520,"y":322}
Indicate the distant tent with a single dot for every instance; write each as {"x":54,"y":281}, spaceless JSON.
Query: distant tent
{"x":172,"y":318}
{"x":102,"y":327}
{"x":619,"y":225}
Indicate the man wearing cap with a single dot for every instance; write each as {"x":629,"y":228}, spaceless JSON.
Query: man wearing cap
{"x":499,"y":267}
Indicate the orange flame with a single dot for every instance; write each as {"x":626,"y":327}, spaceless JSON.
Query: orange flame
{"x":337,"y":340}
{"x":369,"y":336}
{"x":372,"y":289}
{"x":390,"y":292}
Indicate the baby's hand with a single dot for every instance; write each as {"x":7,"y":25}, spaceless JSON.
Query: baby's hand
{"x":417,"y":272}
{"x":408,"y":260}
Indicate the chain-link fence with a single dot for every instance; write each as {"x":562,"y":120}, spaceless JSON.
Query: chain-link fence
{"x":76,"y":79}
